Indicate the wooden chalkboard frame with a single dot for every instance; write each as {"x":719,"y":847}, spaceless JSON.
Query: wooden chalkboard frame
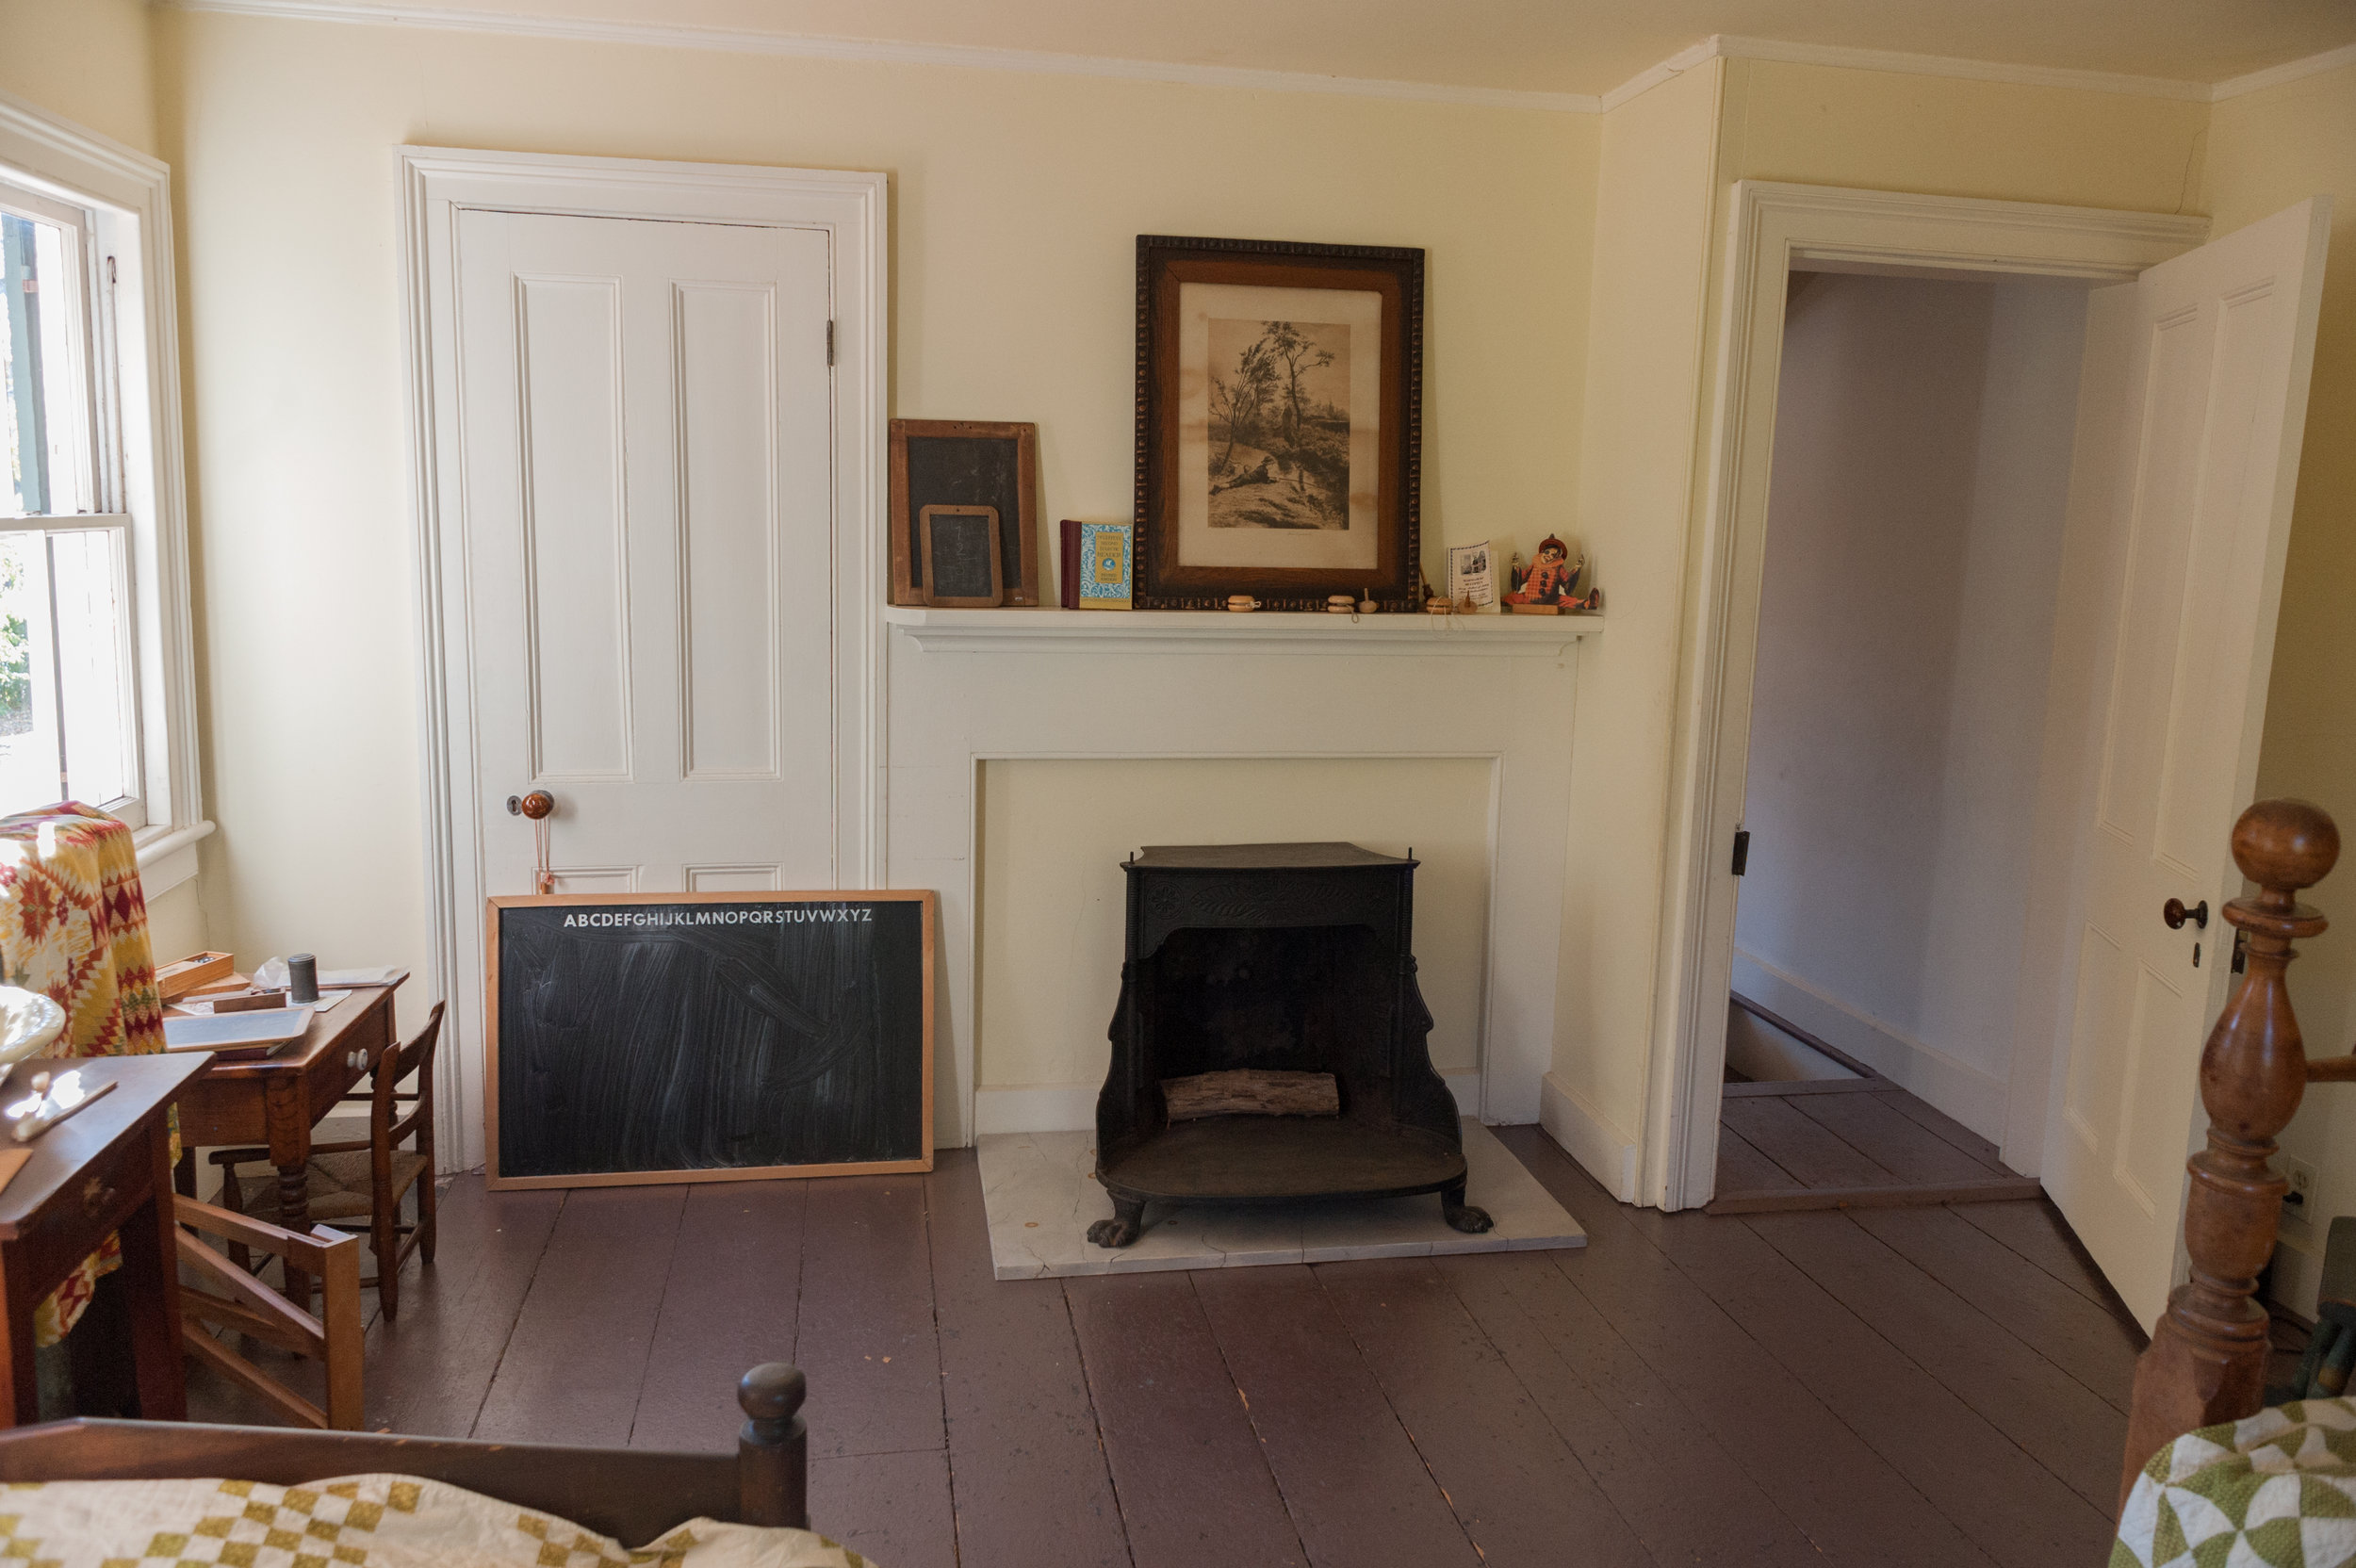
{"x":1018,"y":526}
{"x":499,"y":1182}
{"x":933,"y":596}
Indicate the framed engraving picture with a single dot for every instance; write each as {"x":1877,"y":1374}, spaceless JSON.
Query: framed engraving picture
{"x":1280,"y":400}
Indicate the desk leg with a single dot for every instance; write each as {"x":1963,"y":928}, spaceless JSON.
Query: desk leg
{"x":294,"y":1213}
{"x":20,"y":1384}
{"x":152,"y":1290}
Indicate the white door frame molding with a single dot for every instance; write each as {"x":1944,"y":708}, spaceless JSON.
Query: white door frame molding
{"x":438,"y":183}
{"x":1774,"y":226}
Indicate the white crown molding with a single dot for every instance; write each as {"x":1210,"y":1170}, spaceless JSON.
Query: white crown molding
{"x":884,"y":51}
{"x":2331,"y":59}
{"x":980,"y":58}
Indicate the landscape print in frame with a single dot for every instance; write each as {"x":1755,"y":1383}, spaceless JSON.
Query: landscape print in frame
{"x":1279,"y":422}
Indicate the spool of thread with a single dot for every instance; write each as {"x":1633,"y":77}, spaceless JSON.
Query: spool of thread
{"x":303,"y":978}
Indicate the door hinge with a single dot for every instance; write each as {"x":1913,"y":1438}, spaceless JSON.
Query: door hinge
{"x":831,"y":342}
{"x":1741,"y":850}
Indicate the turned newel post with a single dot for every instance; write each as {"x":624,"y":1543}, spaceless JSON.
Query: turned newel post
{"x":2208,"y":1354}
{"x":772,"y":1450}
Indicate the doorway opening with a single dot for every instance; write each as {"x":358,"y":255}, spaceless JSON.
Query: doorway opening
{"x":1922,"y":461}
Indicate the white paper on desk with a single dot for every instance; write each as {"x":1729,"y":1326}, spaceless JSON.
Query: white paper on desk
{"x":205,"y":1010}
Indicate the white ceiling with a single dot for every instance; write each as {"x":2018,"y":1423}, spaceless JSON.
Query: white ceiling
{"x":1563,"y":46}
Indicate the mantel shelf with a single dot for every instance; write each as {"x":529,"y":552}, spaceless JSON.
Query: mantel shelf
{"x":1058,"y":630}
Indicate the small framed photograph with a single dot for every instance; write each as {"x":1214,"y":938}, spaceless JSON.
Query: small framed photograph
{"x":958,"y":550}
{"x":1279,"y":428}
{"x":1105,"y":566}
{"x":965,"y":463}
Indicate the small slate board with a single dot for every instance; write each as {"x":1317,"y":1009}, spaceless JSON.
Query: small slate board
{"x":640,"y":1038}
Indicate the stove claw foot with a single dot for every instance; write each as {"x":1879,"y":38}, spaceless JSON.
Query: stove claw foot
{"x":1461,"y":1216}
{"x":1128,"y":1224}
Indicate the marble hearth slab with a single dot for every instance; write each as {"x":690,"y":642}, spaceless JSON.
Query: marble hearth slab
{"x":1041,"y":1196}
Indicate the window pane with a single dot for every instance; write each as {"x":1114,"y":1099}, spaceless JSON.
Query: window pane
{"x":45,"y":382}
{"x":93,"y":684}
{"x":31,"y":761}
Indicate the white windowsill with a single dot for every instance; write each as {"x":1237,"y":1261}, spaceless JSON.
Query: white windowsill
{"x":1059,"y":630}
{"x":168,"y":855}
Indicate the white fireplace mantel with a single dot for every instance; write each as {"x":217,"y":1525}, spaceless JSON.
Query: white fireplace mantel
{"x":1053,"y":631}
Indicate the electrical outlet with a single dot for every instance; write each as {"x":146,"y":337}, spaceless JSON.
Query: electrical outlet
{"x":2302,"y":1179}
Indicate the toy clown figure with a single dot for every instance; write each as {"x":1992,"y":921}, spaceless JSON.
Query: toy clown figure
{"x":1549,"y":577}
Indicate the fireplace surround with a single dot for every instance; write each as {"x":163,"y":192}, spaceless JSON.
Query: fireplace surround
{"x":1296,"y":958}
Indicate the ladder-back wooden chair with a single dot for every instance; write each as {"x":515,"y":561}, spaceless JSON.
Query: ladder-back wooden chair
{"x":216,"y":1290}
{"x":363,"y":1180}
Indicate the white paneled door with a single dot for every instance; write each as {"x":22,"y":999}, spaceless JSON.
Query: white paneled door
{"x":647,"y":419}
{"x":2196,"y":381}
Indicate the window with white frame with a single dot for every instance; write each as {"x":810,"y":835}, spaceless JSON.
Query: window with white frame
{"x":97,"y":697}
{"x":68,"y":702}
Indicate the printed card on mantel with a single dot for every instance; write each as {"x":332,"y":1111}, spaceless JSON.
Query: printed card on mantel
{"x":1105,"y":566}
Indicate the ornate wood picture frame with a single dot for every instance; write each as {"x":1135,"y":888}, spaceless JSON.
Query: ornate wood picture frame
{"x":1280,"y":422}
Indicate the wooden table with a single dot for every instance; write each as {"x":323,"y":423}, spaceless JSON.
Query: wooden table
{"x":108,"y":1168}
{"x":276,"y":1101}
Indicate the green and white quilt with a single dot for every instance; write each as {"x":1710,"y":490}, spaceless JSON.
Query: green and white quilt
{"x":2275,"y":1491}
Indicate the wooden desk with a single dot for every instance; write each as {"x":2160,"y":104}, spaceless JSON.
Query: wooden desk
{"x":108,"y":1167}
{"x":276,"y":1101}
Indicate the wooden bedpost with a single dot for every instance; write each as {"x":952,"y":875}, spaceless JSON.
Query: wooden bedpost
{"x":772,"y":1450}
{"x":2208,"y":1354}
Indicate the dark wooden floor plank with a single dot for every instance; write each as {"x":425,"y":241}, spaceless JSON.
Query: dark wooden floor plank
{"x":573,"y":1365}
{"x":1849,"y":1500}
{"x":1814,"y":1156}
{"x":865,"y":1337}
{"x":1923,"y":1115}
{"x":1785,"y":1087}
{"x":1619,"y":1417}
{"x":2061,"y":1324}
{"x":2058,"y":1421}
{"x":1512,"y":1480}
{"x":2011,"y":1506}
{"x":730,"y":1304}
{"x":1193,"y":1483}
{"x":1358,"y":1490}
{"x":1870,"y":1124}
{"x":2037,"y":1233}
{"x":1884,"y":1195}
{"x":1743,"y":1168}
{"x":891,"y":1508}
{"x":1030,"y":1484}
{"x":428,"y":1370}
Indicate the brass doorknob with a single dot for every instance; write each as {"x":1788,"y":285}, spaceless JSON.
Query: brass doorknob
{"x":539,"y":802}
{"x":2174,"y":912}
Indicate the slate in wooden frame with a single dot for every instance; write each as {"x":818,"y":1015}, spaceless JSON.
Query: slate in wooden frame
{"x":965,"y":463}
{"x":1303,"y":494}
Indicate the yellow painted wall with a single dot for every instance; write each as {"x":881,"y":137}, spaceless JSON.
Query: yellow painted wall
{"x":1053,"y":835}
{"x":2267,"y":149}
{"x":85,"y":59}
{"x":1015,"y":205}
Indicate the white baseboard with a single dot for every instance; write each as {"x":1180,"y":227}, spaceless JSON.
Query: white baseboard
{"x":1601,"y":1148}
{"x":1963,"y":1091}
{"x":1071,"y":1107}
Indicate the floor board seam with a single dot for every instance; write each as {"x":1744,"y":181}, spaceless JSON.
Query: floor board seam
{"x":1895,"y":1179}
{"x":1358,"y":1347}
{"x":932,"y":1285}
{"x":522,"y":1296}
{"x":1096,"y":1419}
{"x":1210,"y":1326}
{"x":654,"y":1326}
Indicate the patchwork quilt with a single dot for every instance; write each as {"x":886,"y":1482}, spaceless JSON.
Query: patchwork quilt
{"x":74,"y":927}
{"x":363,"y":1521}
{"x":2275,"y":1491}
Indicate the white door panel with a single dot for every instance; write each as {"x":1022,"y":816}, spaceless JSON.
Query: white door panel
{"x":650,"y":515}
{"x":2209,"y":383}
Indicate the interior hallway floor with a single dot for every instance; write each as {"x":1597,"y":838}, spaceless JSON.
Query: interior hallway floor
{"x":1839,"y":1142}
{"x":1923,"y":1386}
